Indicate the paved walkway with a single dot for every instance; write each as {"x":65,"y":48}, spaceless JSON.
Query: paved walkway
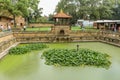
{"x":5,"y":52}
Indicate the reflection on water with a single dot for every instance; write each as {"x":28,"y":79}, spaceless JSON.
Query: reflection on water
{"x":32,"y":67}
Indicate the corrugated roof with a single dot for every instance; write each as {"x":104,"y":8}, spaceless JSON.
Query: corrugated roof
{"x":107,"y":21}
{"x":61,"y":14}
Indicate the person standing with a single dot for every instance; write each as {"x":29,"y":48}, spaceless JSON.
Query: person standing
{"x":2,"y":28}
{"x":81,"y":25}
{"x":9,"y":28}
{"x":115,"y":27}
{"x":24,"y":27}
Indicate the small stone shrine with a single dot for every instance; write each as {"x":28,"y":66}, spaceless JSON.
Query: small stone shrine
{"x":61,"y":23}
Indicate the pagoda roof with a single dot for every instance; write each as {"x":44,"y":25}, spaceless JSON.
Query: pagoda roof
{"x":61,"y":14}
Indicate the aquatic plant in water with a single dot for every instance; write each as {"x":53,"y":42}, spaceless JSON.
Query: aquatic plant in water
{"x":27,"y":48}
{"x":73,"y":57}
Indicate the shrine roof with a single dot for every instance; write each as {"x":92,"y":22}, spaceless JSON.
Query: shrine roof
{"x":61,"y":14}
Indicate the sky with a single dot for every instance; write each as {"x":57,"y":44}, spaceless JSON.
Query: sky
{"x":48,"y":6}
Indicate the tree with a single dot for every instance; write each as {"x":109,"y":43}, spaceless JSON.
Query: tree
{"x":116,"y":11}
{"x":34,"y":12}
{"x":20,"y":8}
{"x":87,"y":9}
{"x":35,"y":15}
{"x":51,"y":17}
{"x":15,"y":8}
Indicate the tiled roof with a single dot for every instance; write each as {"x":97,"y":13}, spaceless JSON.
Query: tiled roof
{"x":9,"y":17}
{"x":61,"y":14}
{"x":106,"y":21}
{"x":6,"y":14}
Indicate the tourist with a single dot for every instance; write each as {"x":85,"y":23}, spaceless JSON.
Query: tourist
{"x":32,"y":26}
{"x":2,"y":28}
{"x":81,"y":25}
{"x":115,"y":28}
{"x":77,"y":47}
{"x":9,"y":28}
{"x":24,"y":27}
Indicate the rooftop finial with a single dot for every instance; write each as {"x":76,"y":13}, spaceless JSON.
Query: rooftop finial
{"x":61,"y":11}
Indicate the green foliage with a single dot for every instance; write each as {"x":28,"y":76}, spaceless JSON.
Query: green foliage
{"x":26,"y":8}
{"x":36,"y":46}
{"x":35,"y":12}
{"x":96,"y":9}
{"x":116,"y":12}
{"x":19,"y":50}
{"x":27,"y":48}
{"x":72,"y":57}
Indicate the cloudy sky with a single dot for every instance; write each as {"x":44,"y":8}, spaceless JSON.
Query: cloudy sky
{"x":48,"y":6}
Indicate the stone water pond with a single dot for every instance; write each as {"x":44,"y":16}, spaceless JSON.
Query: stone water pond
{"x":31,"y":66}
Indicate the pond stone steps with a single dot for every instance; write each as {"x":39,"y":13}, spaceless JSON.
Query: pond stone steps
{"x":5,"y":52}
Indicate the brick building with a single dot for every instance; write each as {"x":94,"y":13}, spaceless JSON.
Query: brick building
{"x":5,"y":21}
{"x":8,"y":20}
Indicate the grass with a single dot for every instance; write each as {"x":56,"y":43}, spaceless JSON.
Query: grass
{"x":73,"y":28}
{"x":39,"y":29}
{"x":77,"y":28}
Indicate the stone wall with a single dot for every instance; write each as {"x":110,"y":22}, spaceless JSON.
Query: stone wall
{"x":33,"y":36}
{"x":6,"y":40}
{"x":5,"y":36}
{"x":6,"y":44}
{"x":9,"y":38}
{"x":64,"y":30}
{"x":112,"y":38}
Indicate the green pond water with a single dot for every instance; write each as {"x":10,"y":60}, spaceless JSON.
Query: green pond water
{"x":31,"y":66}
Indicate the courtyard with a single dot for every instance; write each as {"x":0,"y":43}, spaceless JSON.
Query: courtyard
{"x":69,"y":43}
